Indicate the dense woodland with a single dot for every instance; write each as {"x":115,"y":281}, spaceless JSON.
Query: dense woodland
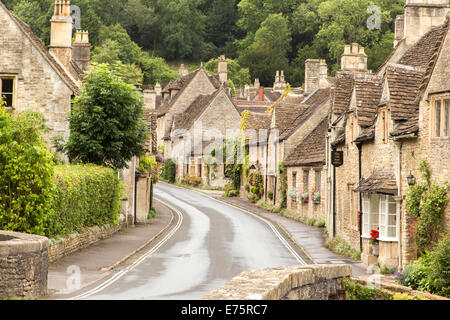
{"x":149,"y":38}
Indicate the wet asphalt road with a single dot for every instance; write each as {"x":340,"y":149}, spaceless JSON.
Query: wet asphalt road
{"x":214,"y":243}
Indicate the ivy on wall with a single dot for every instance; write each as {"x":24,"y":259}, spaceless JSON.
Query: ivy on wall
{"x":283,"y":185}
{"x":426,"y":202}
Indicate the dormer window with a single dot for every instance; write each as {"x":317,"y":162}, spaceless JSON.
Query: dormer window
{"x":441,"y":117}
{"x":7,"y":90}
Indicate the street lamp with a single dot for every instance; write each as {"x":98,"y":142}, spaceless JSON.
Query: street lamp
{"x":411,"y":179}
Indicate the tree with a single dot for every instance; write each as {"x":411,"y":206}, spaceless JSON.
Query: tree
{"x":182,"y":27}
{"x":117,"y":48}
{"x":274,"y":33}
{"x":106,"y":121}
{"x":263,"y":62}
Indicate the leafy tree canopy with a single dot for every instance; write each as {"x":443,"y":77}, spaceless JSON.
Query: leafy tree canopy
{"x":106,"y":121}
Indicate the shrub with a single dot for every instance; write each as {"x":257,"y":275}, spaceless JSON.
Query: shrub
{"x":340,"y":246}
{"x":26,"y":172}
{"x":431,"y":272}
{"x":151,"y":213}
{"x":169,"y":171}
{"x":84,"y":196}
{"x":191,"y":180}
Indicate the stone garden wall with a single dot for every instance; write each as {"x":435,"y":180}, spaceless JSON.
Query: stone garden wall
{"x":312,"y":282}
{"x":23,"y":265}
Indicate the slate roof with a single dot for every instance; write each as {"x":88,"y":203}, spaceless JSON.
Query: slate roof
{"x":420,"y":54}
{"x":404,"y":83}
{"x":179,"y":84}
{"x":366,"y":134}
{"x":342,"y":92}
{"x":310,"y":104}
{"x":340,"y":139}
{"x":259,"y":121}
{"x":379,"y":182}
{"x":187,"y":119}
{"x":312,"y":151}
{"x":423,"y":56}
{"x":368,"y":93}
{"x":56,"y":65}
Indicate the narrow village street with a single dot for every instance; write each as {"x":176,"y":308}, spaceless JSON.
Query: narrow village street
{"x":214,"y":243}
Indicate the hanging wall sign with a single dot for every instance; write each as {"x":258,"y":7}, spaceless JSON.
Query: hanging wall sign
{"x":337,"y":158}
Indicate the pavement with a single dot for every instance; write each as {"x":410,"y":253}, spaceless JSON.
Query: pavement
{"x":104,"y":257}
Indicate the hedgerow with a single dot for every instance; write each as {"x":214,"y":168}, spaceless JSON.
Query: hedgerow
{"x":26,"y":171}
{"x":84,"y":196}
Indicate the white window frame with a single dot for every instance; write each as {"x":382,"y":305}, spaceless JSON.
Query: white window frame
{"x":368,"y":221}
{"x":365,"y":215}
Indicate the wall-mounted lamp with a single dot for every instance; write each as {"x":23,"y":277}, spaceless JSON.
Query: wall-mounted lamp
{"x":411,"y":179}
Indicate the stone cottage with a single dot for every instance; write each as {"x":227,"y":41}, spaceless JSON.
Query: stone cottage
{"x":204,"y":126}
{"x":32,"y":78}
{"x":384,"y":124}
{"x":293,"y":119}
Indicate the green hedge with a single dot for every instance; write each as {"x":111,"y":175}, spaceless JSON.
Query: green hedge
{"x":84,"y":196}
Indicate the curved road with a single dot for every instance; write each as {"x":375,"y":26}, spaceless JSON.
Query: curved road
{"x":212,"y":243}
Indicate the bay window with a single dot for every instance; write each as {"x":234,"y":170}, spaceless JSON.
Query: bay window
{"x":379,"y":212}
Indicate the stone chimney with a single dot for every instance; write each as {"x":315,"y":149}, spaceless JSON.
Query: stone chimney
{"x":279,"y":84}
{"x":421,"y":16}
{"x":247,"y":92}
{"x":256,"y":84}
{"x":182,"y":71}
{"x":61,"y":33}
{"x":149,"y":99}
{"x":316,"y":74}
{"x":354,"y":59}
{"x":81,"y":49}
{"x":260,"y":93}
{"x":223,"y":69}
{"x":399,"y":29}
{"x":158,"y":89}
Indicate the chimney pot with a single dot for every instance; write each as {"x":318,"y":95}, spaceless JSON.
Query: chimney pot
{"x":261,"y":94}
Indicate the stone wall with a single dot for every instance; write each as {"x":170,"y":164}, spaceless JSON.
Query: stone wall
{"x":38,"y":87}
{"x":312,"y":282}
{"x":73,"y":243}
{"x":23,"y":265}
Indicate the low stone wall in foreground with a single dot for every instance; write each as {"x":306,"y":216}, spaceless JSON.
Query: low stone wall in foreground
{"x":71,"y":244}
{"x":23,"y":265}
{"x":311,"y":282}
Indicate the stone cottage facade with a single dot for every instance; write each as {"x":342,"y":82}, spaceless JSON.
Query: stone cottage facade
{"x":384,"y":124}
{"x":32,"y":78}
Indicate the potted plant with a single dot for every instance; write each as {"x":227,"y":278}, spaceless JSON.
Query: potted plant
{"x":315,"y":196}
{"x":270,"y":194}
{"x":374,"y":235}
{"x":304,"y":195}
{"x":293,"y":194}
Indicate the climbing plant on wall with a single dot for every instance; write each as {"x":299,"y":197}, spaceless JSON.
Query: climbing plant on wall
{"x":426,"y":202}
{"x":283,"y":185}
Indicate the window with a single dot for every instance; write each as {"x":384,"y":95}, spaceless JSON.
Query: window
{"x":305,"y":179}
{"x":7,"y":90}
{"x":294,"y":180}
{"x":441,"y":118}
{"x":379,"y":211}
{"x":318,"y":179}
